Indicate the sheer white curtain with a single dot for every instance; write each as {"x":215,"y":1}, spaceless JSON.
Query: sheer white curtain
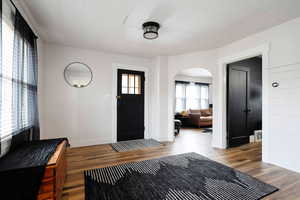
{"x":180,"y":97}
{"x":18,"y":74}
{"x":191,"y":96}
{"x":204,"y":100}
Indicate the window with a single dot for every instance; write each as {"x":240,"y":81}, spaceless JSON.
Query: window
{"x":18,"y":74}
{"x":204,"y":98}
{"x":180,"y":97}
{"x":131,"y":84}
{"x":191,"y":96}
{"x":6,"y":76}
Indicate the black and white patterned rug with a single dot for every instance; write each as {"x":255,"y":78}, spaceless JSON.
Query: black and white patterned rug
{"x":131,"y":145}
{"x":182,"y":177}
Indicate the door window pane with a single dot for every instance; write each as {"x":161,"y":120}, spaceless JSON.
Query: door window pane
{"x":124,"y":90}
{"x":131,"y":90}
{"x":124,"y":83}
{"x":137,"y":84}
{"x":131,"y":80}
{"x":124,"y":80}
{"x":131,"y":84}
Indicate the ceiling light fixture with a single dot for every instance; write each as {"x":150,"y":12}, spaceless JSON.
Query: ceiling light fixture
{"x":151,"y":30}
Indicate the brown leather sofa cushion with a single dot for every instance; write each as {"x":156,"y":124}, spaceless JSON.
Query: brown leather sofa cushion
{"x":201,"y":117}
{"x":206,"y":118}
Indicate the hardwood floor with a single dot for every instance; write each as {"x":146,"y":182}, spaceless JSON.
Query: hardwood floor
{"x":246,"y":158}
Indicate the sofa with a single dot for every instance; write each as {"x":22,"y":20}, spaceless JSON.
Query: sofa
{"x":201,"y":118}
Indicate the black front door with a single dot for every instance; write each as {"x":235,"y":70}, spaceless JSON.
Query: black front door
{"x":237,"y":106}
{"x":130,"y":105}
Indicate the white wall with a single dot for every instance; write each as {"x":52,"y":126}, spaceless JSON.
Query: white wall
{"x":83,"y":115}
{"x":284,"y":53}
{"x":161,"y":66}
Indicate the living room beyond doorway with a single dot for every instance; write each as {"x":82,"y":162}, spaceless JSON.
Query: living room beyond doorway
{"x":193,"y":110}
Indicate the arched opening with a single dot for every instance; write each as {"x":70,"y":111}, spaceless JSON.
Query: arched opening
{"x":193,"y":108}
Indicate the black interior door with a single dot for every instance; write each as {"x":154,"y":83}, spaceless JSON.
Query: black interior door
{"x":130,"y":105}
{"x":237,"y":106}
{"x":244,"y":100}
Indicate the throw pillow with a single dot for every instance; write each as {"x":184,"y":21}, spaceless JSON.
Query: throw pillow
{"x":184,"y":113}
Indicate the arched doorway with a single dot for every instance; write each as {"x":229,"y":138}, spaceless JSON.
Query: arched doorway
{"x":193,"y":108}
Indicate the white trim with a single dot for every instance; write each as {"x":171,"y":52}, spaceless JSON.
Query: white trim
{"x":79,"y":142}
{"x":220,"y":133}
{"x":115,"y":68}
{"x":171,"y":110}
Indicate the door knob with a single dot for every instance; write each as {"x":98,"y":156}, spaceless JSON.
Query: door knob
{"x":247,"y":110}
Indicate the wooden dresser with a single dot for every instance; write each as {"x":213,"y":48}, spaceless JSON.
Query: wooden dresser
{"x":55,"y":173}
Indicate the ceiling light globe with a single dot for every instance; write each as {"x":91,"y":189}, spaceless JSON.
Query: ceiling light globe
{"x":151,"y":30}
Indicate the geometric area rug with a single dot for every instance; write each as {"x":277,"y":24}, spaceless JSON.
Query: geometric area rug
{"x":182,"y":177}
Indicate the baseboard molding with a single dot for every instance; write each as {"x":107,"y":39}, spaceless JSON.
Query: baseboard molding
{"x":165,"y":139}
{"x":285,"y":166}
{"x":88,"y":142}
{"x":218,"y":145}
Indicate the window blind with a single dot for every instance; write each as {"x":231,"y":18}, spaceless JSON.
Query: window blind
{"x":18,"y":75}
{"x":7,"y":45}
{"x":191,"y":96}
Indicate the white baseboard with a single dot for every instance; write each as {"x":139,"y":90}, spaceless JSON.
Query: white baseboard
{"x":284,"y":165}
{"x":166,"y":139}
{"x":88,"y":142}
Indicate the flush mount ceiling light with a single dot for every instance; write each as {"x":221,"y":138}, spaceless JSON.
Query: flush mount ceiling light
{"x":151,"y":30}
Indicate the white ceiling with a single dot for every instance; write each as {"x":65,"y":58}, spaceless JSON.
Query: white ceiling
{"x":187,"y":25}
{"x":196,"y":72}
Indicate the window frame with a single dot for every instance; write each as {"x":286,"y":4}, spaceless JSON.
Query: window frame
{"x":186,"y":99}
{"x":10,"y":124}
{"x":136,"y":89}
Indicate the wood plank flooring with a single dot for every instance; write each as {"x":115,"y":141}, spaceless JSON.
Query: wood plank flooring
{"x":246,"y":158}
